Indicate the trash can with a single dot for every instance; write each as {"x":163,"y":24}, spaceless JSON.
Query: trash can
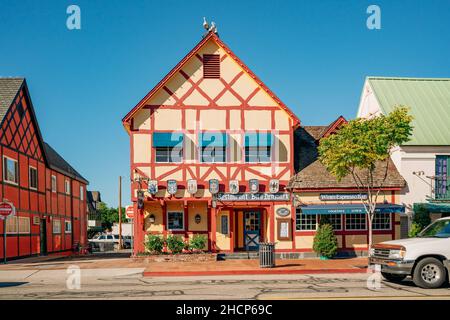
{"x":267,"y":255}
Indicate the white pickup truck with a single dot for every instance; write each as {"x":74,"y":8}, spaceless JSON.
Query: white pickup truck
{"x":425,"y":258}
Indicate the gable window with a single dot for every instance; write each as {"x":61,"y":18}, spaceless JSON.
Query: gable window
{"x":211,"y":66}
{"x":442,"y":179}
{"x":67,"y":186}
{"x":53,"y":183}
{"x":258,"y":147}
{"x":213,"y":147}
{"x":168,"y":147}
{"x":175,"y":220}
{"x":10,"y":170}
{"x":33,"y":176}
{"x":20,"y":110}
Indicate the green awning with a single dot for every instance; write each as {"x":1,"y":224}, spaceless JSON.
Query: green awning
{"x":167,"y":139}
{"x":349,"y":208}
{"x":434,"y":207}
{"x":258,"y":139}
{"x":213,"y":139}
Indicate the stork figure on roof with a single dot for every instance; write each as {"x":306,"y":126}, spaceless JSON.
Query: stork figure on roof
{"x":208,"y":27}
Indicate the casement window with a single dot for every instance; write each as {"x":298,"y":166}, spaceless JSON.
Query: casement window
{"x":33,"y":177}
{"x":68,"y":226}
{"x":213,"y":146}
{"x":258,"y":147}
{"x":381,"y":221}
{"x":53,"y":182}
{"x":305,"y":222}
{"x":67,"y":186}
{"x":213,"y":154}
{"x":442,"y":179}
{"x":334,"y":219}
{"x":175,"y":220}
{"x":168,"y":147}
{"x":10,"y":170}
{"x":81,"y":193}
{"x":355,"y":221}
{"x":211,"y":66}
{"x":20,"y":225}
{"x":56,"y":226}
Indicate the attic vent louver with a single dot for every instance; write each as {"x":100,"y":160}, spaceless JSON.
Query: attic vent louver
{"x":211,"y":66}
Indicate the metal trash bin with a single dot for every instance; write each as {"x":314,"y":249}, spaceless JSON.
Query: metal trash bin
{"x":267,"y":255}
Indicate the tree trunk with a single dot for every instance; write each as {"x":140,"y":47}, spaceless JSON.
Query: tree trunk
{"x":370,"y":219}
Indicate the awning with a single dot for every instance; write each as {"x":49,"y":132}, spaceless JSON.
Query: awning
{"x":167,"y":139}
{"x":350,"y":208}
{"x":434,"y":207}
{"x":213,"y":139}
{"x":258,"y":139}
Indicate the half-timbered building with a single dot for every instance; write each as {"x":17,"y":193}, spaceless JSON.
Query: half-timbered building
{"x":47,"y":193}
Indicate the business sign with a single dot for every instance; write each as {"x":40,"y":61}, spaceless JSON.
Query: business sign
{"x":274,"y":186}
{"x":152,"y":187}
{"x":253,"y":197}
{"x":6,"y":209}
{"x":172,"y":186}
{"x":192,"y":186}
{"x":342,"y":196}
{"x":283,"y":212}
{"x":234,"y":186}
{"x":253,"y":185}
{"x":214,"y":186}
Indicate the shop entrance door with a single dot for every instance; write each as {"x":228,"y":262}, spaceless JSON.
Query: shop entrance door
{"x":252,"y":225}
{"x":43,"y":237}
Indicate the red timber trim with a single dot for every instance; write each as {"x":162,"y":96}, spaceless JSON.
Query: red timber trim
{"x":272,"y":223}
{"x":231,"y":229}
{"x":194,"y":52}
{"x":334,"y":126}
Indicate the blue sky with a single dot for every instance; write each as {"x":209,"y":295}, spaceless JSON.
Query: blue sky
{"x":313,"y":54}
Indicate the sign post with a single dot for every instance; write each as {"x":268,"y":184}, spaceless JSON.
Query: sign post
{"x":7,"y":209}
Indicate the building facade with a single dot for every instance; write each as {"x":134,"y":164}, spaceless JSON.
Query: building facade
{"x":94,"y":217}
{"x":318,"y":196}
{"x":212,"y":153}
{"x":424,"y":160}
{"x":48,"y":194}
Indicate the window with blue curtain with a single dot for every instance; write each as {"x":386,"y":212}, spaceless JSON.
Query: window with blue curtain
{"x":258,"y":147}
{"x":442,"y":189}
{"x":213,"y":146}
{"x":168,"y":146}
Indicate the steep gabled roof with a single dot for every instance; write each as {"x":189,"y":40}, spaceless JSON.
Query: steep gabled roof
{"x":210,"y":35}
{"x":57,"y":163}
{"x":9,"y":88}
{"x":429,"y":100}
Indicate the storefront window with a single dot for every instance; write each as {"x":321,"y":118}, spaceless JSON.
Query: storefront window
{"x":334,"y":219}
{"x":355,"y":221}
{"x":305,"y":221}
{"x":175,"y":221}
{"x":382,"y":221}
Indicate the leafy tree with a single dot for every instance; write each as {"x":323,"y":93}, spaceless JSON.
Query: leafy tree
{"x":362,"y":146}
{"x":109,"y":216}
{"x":420,"y":221}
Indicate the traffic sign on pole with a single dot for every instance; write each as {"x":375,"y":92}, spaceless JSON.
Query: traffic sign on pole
{"x":7,"y":209}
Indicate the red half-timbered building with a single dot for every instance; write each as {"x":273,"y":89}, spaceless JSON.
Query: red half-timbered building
{"x":48,"y":194}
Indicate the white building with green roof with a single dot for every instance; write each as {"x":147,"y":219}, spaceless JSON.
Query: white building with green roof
{"x":424,"y":161}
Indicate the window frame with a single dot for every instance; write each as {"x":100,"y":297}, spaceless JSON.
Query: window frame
{"x":53,"y":183}
{"x":58,"y":224}
{"x":225,"y":157}
{"x":332,"y":220}
{"x":30,"y":180}
{"x":5,"y":170}
{"x":67,"y":187}
{"x":258,"y":152}
{"x":67,"y":223}
{"x":382,"y":229}
{"x":300,"y":226}
{"x":354,"y":215}
{"x":81,"y":193}
{"x":169,"y":158}
{"x":182,"y":220}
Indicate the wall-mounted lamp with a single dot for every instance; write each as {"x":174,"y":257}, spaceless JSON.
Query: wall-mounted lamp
{"x":151,"y":219}
{"x":198,"y":218}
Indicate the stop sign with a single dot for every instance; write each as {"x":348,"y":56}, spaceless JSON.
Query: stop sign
{"x":6,"y":209}
{"x":129,"y":211}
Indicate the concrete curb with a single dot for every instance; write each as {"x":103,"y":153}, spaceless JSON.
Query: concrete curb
{"x":248,"y":272}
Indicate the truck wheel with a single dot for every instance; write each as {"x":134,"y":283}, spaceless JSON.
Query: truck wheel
{"x":429,"y":273}
{"x":393,"y":277}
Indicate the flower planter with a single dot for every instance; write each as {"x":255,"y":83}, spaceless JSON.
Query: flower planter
{"x":182,"y":257}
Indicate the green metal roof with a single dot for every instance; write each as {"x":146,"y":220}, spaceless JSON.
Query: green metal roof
{"x":429,"y":100}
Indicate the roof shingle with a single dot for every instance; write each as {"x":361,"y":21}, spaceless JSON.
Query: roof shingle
{"x":8,"y":91}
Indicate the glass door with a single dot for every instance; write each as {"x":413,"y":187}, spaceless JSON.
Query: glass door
{"x":252,"y":223}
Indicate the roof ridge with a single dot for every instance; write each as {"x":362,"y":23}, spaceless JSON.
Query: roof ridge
{"x":407,"y":78}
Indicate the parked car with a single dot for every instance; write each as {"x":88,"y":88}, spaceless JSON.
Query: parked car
{"x":425,"y":258}
{"x":111,"y":238}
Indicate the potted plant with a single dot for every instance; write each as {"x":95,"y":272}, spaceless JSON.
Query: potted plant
{"x":325,"y":242}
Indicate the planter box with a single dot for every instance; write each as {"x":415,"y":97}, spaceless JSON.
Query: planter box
{"x":182,"y":257}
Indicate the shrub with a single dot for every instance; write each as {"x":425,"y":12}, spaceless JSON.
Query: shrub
{"x":421,"y":216}
{"x":415,"y":230}
{"x":325,"y":241}
{"x":175,"y":244}
{"x":198,"y":242}
{"x":154,"y":244}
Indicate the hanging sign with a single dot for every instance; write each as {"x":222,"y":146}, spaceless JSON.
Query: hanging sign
{"x":153,"y":187}
{"x":253,"y":185}
{"x":214,"y":186}
{"x":141,"y":197}
{"x":172,"y":186}
{"x":234,"y":186}
{"x":274,"y":186}
{"x":283,"y":212}
{"x":342,"y":196}
{"x":192,"y":186}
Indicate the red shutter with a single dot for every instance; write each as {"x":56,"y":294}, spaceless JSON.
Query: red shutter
{"x":211,"y":66}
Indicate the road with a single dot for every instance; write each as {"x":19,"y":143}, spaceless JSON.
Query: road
{"x":128,"y":283}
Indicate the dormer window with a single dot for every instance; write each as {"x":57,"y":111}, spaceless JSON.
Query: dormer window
{"x":211,"y":66}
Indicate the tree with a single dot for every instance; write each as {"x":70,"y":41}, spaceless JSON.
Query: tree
{"x":363,"y":146}
{"x":109,"y":216}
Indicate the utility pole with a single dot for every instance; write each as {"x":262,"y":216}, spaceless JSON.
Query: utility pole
{"x":120,"y":212}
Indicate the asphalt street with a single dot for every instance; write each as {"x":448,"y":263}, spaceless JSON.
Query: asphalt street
{"x":128,"y":283}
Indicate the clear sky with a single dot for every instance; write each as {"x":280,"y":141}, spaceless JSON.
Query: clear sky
{"x":313,"y":54}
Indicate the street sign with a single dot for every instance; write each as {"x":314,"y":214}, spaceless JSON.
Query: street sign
{"x":6,"y":209}
{"x":129,"y":212}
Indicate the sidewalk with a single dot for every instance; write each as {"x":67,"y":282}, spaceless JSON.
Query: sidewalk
{"x":249,"y":267}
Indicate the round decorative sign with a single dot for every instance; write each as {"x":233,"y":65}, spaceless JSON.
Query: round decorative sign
{"x":283,"y":212}
{"x":6,"y":209}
